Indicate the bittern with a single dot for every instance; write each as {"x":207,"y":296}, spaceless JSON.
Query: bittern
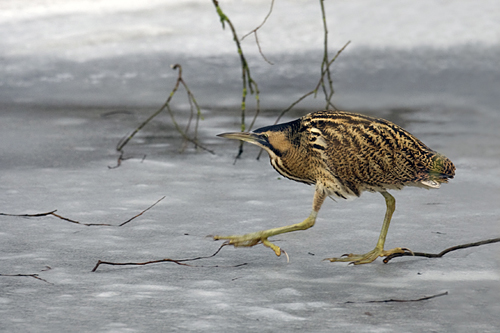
{"x":344,"y":154}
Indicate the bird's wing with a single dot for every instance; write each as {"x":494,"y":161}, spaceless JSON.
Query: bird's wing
{"x":377,"y":155}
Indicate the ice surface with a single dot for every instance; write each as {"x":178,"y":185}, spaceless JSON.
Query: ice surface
{"x":77,"y":76}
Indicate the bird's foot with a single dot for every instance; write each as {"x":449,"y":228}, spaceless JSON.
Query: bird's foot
{"x":255,"y":238}
{"x":249,"y":240}
{"x":358,"y":259}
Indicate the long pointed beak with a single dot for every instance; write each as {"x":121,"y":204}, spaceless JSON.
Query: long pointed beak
{"x":254,"y":138}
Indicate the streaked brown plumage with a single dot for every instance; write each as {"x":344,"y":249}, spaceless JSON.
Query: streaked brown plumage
{"x":344,"y":154}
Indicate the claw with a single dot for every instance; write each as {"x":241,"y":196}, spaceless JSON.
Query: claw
{"x":287,"y":257}
{"x":262,"y":236}
{"x":408,"y":250}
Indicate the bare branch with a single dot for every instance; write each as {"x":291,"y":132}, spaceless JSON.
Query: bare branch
{"x":175,"y":261}
{"x":53,"y":213}
{"x":263,"y":22}
{"x":442,"y":253}
{"x":254,"y":31}
{"x":323,"y":73}
{"x":35,"y":276}
{"x":76,"y":222}
{"x":121,"y":144}
{"x":425,"y":298}
{"x":145,"y":210}
{"x":29,"y":215}
{"x":325,"y":65}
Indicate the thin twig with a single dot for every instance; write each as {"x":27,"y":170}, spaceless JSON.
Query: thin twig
{"x":312,"y":92}
{"x":247,"y":82}
{"x":100,"y":262}
{"x":29,"y":215}
{"x":27,"y":275}
{"x":442,"y":253}
{"x":126,"y":139}
{"x":425,"y":298}
{"x":175,"y":261}
{"x":254,"y":31}
{"x":188,"y":125}
{"x":315,"y":90}
{"x":193,"y":104}
{"x":76,"y":222}
{"x":118,"y":161}
{"x":183,"y":134}
{"x":145,"y":210}
{"x":53,"y":213}
{"x":263,"y":22}
{"x":325,"y":64}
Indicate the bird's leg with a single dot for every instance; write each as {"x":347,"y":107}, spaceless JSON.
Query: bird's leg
{"x":379,"y":251}
{"x":255,"y":238}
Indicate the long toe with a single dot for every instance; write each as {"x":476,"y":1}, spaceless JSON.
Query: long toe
{"x":358,"y":259}
{"x":249,"y":240}
{"x":239,"y":241}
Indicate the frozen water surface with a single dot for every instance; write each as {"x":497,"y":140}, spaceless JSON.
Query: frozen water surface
{"x":77,"y":76}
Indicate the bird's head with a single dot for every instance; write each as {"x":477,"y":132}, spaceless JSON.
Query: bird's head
{"x":275,"y":139}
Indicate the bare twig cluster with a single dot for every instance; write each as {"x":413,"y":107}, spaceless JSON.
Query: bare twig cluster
{"x":325,"y":71}
{"x":195,"y":113}
{"x":325,"y":83}
{"x":326,"y":74}
{"x":326,"y":63}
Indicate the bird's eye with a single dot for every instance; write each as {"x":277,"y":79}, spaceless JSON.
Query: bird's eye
{"x":265,"y":135}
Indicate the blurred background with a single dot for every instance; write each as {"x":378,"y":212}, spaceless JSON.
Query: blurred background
{"x":402,"y":53}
